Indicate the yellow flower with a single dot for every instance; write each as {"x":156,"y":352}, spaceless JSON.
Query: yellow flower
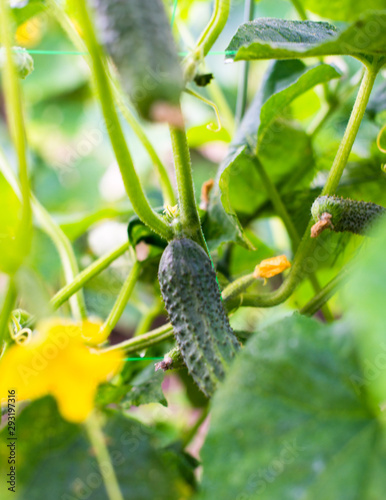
{"x":56,"y":361}
{"x":29,"y":33}
{"x":271,"y":267}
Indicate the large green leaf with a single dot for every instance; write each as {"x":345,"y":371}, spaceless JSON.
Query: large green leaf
{"x":283,"y":149}
{"x":55,"y":459}
{"x":270,"y":38}
{"x":365,"y":297}
{"x":342,"y":10}
{"x":301,"y":430}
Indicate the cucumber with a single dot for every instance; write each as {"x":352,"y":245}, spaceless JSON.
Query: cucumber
{"x":137,"y":36}
{"x":192,"y":299}
{"x":340,"y":215}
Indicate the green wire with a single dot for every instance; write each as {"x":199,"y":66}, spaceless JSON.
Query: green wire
{"x":76,"y":53}
{"x":141,"y":359}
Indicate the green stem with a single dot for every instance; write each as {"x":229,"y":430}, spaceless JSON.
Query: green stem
{"x":8,"y":305}
{"x":193,"y":431}
{"x":122,"y":299}
{"x":207,"y":38}
{"x":13,"y":104}
{"x":307,"y":245}
{"x":189,"y":217}
{"x":149,"y":339}
{"x":350,"y":134}
{"x":242,"y":91}
{"x":215,"y":26}
{"x":73,"y":35}
{"x":86,"y":275}
{"x":299,"y":9}
{"x":282,"y":212}
{"x":130,"y":178}
{"x":237,"y":287}
{"x":324,"y":295}
{"x":59,"y":239}
{"x":97,"y":439}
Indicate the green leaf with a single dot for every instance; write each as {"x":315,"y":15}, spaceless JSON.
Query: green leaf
{"x":11,"y":251}
{"x":365,"y":296}
{"x":283,"y":149}
{"x":342,"y":10}
{"x":146,"y":388}
{"x":301,"y":429}
{"x":55,"y":458}
{"x":270,"y":38}
{"x":24,"y":10}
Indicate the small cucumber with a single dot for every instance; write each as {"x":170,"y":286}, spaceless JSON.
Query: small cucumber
{"x":137,"y":36}
{"x":340,"y":215}
{"x":193,"y":301}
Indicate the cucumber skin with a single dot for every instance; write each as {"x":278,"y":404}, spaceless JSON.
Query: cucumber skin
{"x":347,"y":215}
{"x":192,"y":299}
{"x":137,"y":36}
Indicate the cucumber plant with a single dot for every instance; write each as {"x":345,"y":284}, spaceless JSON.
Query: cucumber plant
{"x":190,"y":298}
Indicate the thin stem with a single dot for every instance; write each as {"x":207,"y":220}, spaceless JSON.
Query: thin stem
{"x":242,"y":90}
{"x":237,"y":287}
{"x":190,"y":219}
{"x":350,"y":134}
{"x":324,"y":295}
{"x":59,"y":239}
{"x":130,"y":178}
{"x":193,"y":431}
{"x":207,"y":38}
{"x":149,"y":339}
{"x":86,"y":275}
{"x":73,"y":35}
{"x":8,"y":305}
{"x":97,"y":439}
{"x":215,"y":26}
{"x":122,"y":299}
{"x":299,"y":9}
{"x":13,"y":104}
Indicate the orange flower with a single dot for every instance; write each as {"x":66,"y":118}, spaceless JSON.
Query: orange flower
{"x":56,"y":361}
{"x":271,"y":267}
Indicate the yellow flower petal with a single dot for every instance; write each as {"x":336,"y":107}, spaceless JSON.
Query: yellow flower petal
{"x":57,"y":362}
{"x":271,"y":267}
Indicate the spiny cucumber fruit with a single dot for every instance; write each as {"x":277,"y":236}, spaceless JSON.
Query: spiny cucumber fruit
{"x":137,"y":36}
{"x":193,"y":301}
{"x":340,"y":214}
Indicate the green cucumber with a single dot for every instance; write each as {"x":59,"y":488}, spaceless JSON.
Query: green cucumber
{"x":193,"y":301}
{"x":340,"y":215}
{"x":137,"y":36}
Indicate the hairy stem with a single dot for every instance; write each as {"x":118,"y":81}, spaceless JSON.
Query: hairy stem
{"x":149,"y":339}
{"x":86,"y":275}
{"x":190,"y":219}
{"x":130,"y":178}
{"x":122,"y":299}
{"x":15,"y":118}
{"x":215,"y":26}
{"x":97,"y":439}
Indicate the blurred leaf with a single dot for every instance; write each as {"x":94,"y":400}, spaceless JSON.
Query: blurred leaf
{"x":201,"y":134}
{"x":146,"y":388}
{"x":284,"y":150}
{"x":302,"y":430}
{"x":365,"y":296}
{"x":269,"y":38}
{"x":11,"y":251}
{"x":342,"y":10}
{"x":27,"y":9}
{"x":377,"y":101}
{"x":138,"y":231}
{"x":55,"y":457}
{"x":74,"y":225}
